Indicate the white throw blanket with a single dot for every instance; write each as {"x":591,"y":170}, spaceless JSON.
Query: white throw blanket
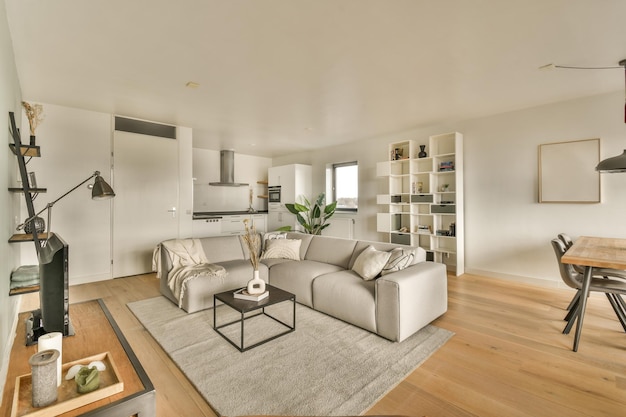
{"x":188,"y":262}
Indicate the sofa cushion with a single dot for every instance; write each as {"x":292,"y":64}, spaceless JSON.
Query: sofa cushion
{"x":370,"y":262}
{"x":400,"y":258}
{"x":297,"y":276}
{"x":346,"y":296}
{"x":199,"y":293}
{"x":331,"y":250}
{"x":282,"y":249}
{"x":272,"y":236}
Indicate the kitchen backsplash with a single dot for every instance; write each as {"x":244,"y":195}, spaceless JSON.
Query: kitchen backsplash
{"x":248,"y":169}
{"x":212,"y":198}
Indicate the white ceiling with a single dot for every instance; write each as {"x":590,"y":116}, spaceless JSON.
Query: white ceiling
{"x":283,"y":76}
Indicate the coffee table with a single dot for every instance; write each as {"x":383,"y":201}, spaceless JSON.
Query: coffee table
{"x":244,"y":307}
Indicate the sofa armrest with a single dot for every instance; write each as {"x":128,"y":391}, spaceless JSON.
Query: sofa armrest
{"x":410,"y":299}
{"x":165,"y":267}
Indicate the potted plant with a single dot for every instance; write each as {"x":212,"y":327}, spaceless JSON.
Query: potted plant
{"x":312,"y":217}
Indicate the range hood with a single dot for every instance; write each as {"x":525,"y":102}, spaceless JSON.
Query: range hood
{"x":227,"y":171}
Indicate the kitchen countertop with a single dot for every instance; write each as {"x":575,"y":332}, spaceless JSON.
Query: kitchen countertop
{"x":212,"y":214}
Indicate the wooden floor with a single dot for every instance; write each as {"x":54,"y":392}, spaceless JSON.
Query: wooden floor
{"x":507,"y":358}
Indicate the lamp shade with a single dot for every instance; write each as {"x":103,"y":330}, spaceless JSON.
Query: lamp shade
{"x":614,"y":164}
{"x":101,"y":190}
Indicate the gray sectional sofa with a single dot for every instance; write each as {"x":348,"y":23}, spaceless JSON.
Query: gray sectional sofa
{"x":394,"y":305}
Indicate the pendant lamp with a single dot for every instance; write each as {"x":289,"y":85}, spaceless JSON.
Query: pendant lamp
{"x":616,"y":163}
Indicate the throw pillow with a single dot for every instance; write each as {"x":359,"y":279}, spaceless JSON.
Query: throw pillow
{"x":273,"y":235}
{"x":400,"y":258}
{"x":370,"y":262}
{"x":282,"y":249}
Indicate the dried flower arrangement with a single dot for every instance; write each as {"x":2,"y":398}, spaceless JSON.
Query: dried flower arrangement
{"x":34,"y":112}
{"x":253,"y":242}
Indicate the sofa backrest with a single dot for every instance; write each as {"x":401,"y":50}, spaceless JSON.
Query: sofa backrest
{"x":223,"y":248}
{"x":304,"y":245}
{"x":331,"y":250}
{"x":343,"y":252}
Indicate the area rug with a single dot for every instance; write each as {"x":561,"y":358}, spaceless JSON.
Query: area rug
{"x":326,"y":367}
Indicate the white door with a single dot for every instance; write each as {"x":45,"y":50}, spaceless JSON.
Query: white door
{"x":145,"y":213}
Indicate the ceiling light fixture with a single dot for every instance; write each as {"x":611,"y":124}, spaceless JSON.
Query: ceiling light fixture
{"x":616,"y":163}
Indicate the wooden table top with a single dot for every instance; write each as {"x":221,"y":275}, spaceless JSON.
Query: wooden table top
{"x":600,"y":252}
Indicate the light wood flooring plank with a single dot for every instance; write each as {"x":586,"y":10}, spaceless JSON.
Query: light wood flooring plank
{"x":508,"y":356}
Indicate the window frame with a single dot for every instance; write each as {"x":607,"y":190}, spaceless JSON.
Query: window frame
{"x":334,"y":185}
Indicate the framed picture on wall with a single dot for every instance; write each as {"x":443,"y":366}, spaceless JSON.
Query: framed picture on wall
{"x":567,"y":172}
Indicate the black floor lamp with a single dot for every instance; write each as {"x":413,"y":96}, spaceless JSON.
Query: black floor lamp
{"x":100,"y":190}
{"x":53,"y":257}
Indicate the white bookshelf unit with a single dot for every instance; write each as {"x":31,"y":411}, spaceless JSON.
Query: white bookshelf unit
{"x":424,"y":204}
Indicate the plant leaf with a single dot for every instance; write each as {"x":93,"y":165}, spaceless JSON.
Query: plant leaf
{"x":316,"y":212}
{"x":291,"y":208}
{"x":302,"y":221}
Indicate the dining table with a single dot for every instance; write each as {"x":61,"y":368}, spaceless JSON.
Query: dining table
{"x":593,"y":252}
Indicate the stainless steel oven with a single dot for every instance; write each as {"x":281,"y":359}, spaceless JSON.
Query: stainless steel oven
{"x":273,"y":193}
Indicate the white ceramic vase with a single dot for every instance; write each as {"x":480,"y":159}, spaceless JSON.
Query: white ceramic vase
{"x":256,"y":285}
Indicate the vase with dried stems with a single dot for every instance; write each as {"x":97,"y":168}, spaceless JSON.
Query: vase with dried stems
{"x":256,"y":285}
{"x":34,"y":113}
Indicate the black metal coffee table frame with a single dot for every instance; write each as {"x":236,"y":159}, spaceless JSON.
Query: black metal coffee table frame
{"x":276,"y":296}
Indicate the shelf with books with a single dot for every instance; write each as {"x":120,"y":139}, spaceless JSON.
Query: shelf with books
{"x":430,"y":188}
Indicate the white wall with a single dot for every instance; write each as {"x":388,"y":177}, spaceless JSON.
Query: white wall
{"x":10,"y":98}
{"x":248,"y":169}
{"x":74,"y":143}
{"x":507,"y":231}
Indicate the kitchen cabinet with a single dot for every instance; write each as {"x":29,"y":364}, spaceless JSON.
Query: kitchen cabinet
{"x":294,"y":180}
{"x":278,"y":219}
{"x":229,"y":224}
{"x":234,"y":225}
{"x":260,"y":222}
{"x":206,"y":227}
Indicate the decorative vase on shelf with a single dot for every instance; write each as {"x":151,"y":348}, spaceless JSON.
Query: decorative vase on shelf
{"x":32,"y":140}
{"x":256,"y":285}
{"x":422,"y":153}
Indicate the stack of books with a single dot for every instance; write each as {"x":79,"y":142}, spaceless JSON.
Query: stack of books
{"x":446,"y":166}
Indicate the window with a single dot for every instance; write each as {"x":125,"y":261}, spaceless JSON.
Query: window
{"x":346,"y":185}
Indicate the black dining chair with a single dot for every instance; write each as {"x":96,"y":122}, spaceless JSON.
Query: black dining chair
{"x":612,"y":285}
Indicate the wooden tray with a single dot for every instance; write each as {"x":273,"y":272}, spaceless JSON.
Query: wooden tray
{"x":68,"y":398}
